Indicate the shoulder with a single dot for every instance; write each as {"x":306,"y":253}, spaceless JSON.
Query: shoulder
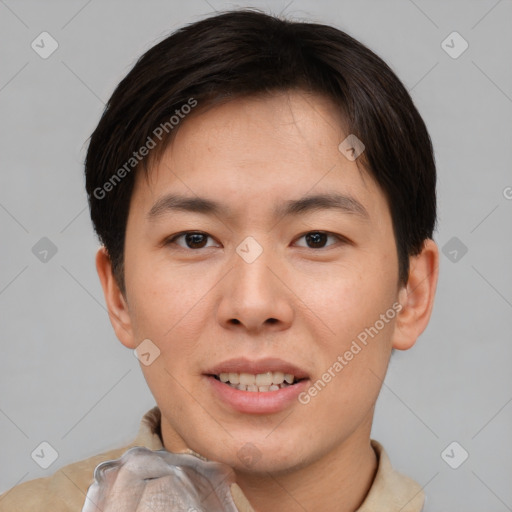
{"x":64,"y":491}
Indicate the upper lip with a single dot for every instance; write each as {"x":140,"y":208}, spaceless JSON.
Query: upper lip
{"x":244,"y":365}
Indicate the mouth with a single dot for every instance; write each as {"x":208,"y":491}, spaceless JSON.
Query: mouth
{"x":256,"y":387}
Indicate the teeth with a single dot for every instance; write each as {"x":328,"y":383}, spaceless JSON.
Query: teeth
{"x":278,"y":378}
{"x":247,"y":379}
{"x":264,"y":379}
{"x":261,"y":379}
{"x":262,"y":382}
{"x":261,"y":389}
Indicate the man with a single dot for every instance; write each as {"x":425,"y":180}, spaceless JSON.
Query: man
{"x":264,"y":191}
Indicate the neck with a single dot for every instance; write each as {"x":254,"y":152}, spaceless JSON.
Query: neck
{"x":338,"y":482}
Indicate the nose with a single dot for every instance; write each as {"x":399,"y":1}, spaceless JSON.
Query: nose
{"x":255,"y":295}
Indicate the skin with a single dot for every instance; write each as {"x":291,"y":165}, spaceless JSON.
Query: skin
{"x":202,"y":306}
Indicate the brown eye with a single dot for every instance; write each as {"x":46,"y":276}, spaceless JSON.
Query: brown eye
{"x":193,"y":239}
{"x":318,"y":239}
{"x":196,"y":240}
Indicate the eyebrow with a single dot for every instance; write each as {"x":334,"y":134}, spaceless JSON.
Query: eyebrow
{"x":344,"y":203}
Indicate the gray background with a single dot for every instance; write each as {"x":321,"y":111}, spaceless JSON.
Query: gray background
{"x":64,"y":377}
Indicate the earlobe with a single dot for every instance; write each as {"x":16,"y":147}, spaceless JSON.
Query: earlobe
{"x":417,"y":298}
{"x":116,"y":302}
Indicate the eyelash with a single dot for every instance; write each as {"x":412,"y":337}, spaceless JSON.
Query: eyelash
{"x":172,"y":239}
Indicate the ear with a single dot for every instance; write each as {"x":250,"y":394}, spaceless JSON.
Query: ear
{"x":117,"y":306}
{"x":417,"y":298}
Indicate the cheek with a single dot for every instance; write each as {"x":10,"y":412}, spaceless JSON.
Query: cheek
{"x":169,"y":308}
{"x":347,"y":297}
{"x":161,"y":294}
{"x":354,"y":351}
{"x":352,"y":362}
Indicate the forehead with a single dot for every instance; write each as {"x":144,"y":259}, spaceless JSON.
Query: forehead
{"x":253,"y":151}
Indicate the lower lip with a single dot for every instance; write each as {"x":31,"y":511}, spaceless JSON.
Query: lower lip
{"x":257,"y":402}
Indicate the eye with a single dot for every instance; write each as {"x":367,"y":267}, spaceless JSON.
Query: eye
{"x":198,"y":239}
{"x":193,"y":239}
{"x":317,"y":239}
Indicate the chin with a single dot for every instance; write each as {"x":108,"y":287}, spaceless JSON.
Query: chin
{"x":260,"y":452}
{"x":270,"y":463}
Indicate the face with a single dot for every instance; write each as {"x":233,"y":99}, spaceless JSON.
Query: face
{"x":257,"y":273}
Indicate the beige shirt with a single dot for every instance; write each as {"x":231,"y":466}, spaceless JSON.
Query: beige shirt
{"x":65,"y":490}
